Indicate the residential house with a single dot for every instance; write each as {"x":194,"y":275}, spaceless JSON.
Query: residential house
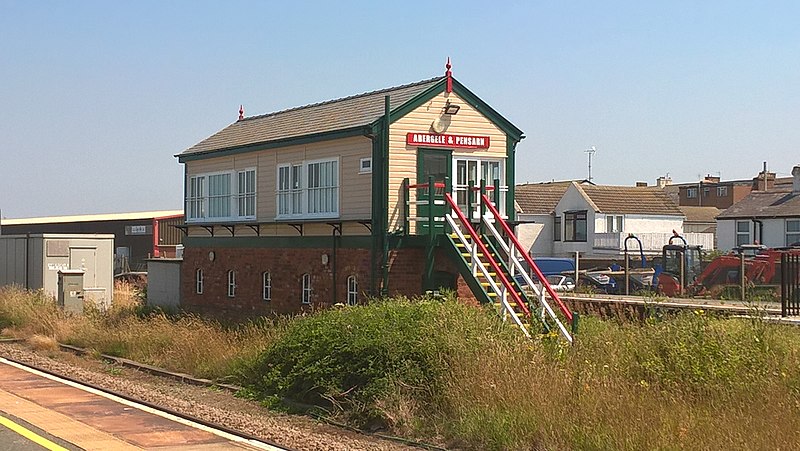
{"x":711,"y":191}
{"x":770,"y":217}
{"x":596,"y":220}
{"x":699,"y":219}
{"x":536,"y":205}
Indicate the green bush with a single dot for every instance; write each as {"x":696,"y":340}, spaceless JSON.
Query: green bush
{"x":359,"y":359}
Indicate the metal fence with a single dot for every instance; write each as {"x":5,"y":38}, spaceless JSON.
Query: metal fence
{"x":790,"y":284}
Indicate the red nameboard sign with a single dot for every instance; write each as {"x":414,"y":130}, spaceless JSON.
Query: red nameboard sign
{"x":444,"y":140}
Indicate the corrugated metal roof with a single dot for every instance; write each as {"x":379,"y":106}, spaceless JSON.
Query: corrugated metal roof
{"x":329,"y":116}
{"x":91,"y":218}
{"x":765,"y":204}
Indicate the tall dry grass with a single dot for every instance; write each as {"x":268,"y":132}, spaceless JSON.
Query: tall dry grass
{"x":691,"y":382}
{"x":184,"y":343}
{"x":598,"y":396}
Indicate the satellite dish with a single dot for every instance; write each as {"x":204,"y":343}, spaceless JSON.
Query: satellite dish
{"x":440,"y":124}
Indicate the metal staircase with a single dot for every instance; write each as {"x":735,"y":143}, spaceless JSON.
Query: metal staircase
{"x":492,"y":261}
{"x":496,"y":266}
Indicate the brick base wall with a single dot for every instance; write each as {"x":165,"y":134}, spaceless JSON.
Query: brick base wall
{"x":286,"y":267}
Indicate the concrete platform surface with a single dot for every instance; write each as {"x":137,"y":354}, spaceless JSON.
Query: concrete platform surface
{"x":97,"y":421}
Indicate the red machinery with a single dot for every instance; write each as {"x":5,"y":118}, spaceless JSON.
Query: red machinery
{"x":761,"y":269}
{"x":680,"y":267}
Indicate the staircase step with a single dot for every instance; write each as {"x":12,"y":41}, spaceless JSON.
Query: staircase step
{"x":467,"y":254}
{"x":500,"y":305}
{"x":455,"y":236}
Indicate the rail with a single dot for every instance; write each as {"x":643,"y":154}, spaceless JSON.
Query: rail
{"x":516,"y":264}
{"x":553,"y":295}
{"x":482,"y":247}
{"x":485,"y":272}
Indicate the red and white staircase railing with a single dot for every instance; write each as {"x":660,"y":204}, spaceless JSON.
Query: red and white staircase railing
{"x":514,"y":250}
{"x":504,"y":291}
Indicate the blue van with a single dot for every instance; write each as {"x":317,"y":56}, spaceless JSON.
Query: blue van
{"x":553,"y":265}
{"x":549,"y":266}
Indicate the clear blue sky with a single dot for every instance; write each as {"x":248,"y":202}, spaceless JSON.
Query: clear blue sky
{"x":97,"y":97}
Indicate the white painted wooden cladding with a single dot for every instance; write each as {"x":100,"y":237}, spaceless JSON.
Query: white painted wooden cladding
{"x":403,"y":158}
{"x":355,"y":190}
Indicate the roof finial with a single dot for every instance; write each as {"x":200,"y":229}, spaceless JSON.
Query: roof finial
{"x":241,"y":112}
{"x":449,"y":76}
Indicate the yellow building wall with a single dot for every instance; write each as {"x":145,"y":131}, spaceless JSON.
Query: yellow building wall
{"x":355,"y":189}
{"x":403,"y":158}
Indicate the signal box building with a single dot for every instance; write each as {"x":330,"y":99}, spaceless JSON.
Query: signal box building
{"x":331,"y":202}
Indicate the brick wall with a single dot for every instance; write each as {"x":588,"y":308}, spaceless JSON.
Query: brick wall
{"x":286,"y":266}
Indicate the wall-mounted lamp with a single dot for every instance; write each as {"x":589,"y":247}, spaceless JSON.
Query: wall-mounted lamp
{"x":451,"y":109}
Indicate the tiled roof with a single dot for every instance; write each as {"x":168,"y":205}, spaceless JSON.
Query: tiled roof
{"x":674,"y":193}
{"x":699,"y":214}
{"x":631,"y":200}
{"x":330,"y":116}
{"x":540,"y":198}
{"x":779,"y":203}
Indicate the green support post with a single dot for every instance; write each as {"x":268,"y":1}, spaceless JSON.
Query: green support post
{"x":431,"y":205}
{"x":496,"y":194}
{"x":574,"y":325}
{"x":407,"y":202}
{"x":481,"y":229}
{"x":470,"y":199}
{"x":448,"y":188}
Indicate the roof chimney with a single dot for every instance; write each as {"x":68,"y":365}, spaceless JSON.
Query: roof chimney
{"x":641,"y":184}
{"x":796,"y":179}
{"x":764,"y":181}
{"x":661,"y":182}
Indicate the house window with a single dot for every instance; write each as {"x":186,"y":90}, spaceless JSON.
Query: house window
{"x":557,"y":228}
{"x":722,"y":191}
{"x":352,"y":290}
{"x":365,"y":166}
{"x":691,"y":193}
{"x":475,"y":170}
{"x":195,"y":198}
{"x":266,"y":286}
{"x":219,"y":195}
{"x":231,"y":283}
{"x":246,"y":193}
{"x":792,"y":231}
{"x":706,"y":190}
{"x":316,"y":196}
{"x":613,"y":224}
{"x":575,"y":226}
{"x":198,"y":281}
{"x":222,"y":196}
{"x":742,"y":232}
{"x":323,"y":188}
{"x":305,"y":296}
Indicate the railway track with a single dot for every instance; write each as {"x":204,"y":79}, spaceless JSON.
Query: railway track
{"x":138,"y":424}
